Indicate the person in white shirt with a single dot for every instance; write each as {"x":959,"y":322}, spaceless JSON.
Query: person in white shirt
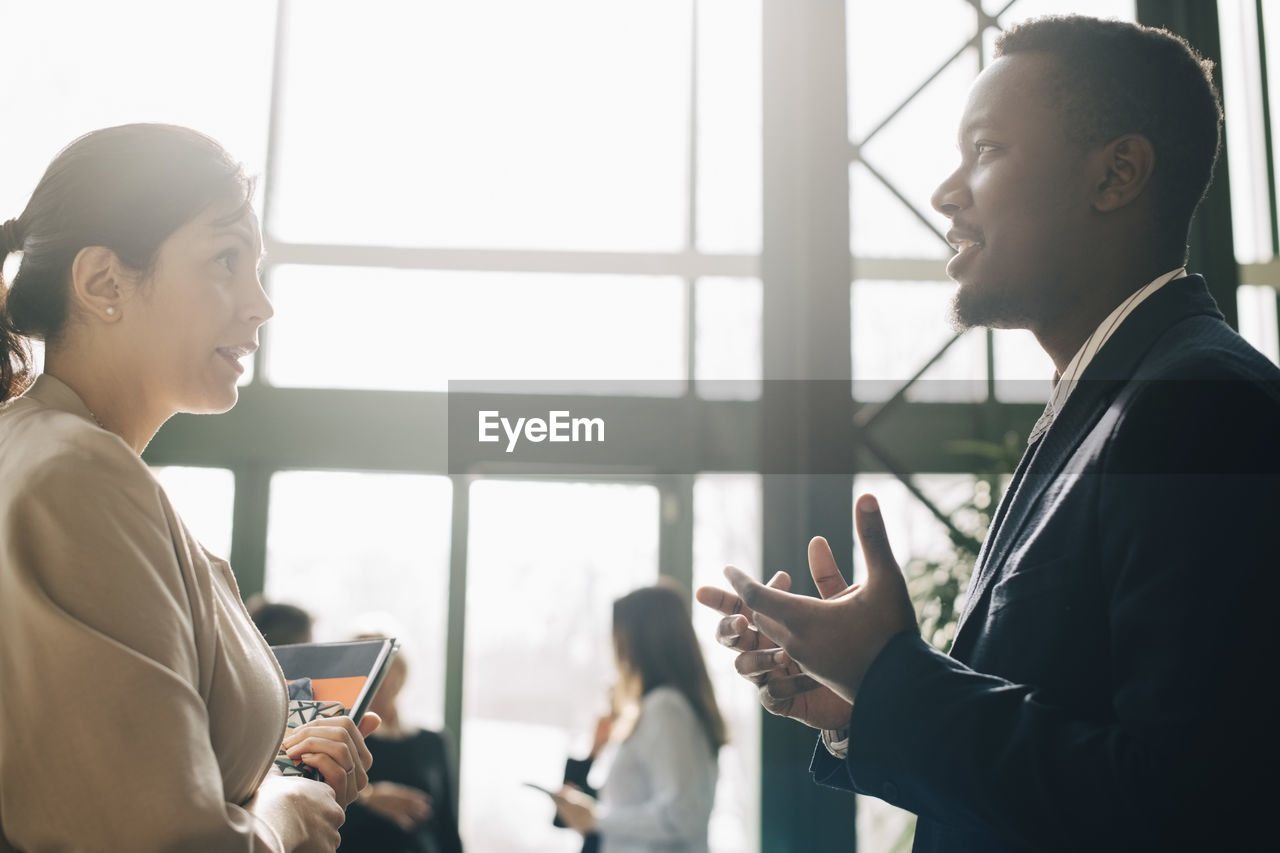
{"x":662,"y":771}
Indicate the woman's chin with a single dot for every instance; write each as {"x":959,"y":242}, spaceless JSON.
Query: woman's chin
{"x":214,"y":403}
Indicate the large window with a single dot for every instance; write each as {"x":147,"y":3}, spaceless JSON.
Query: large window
{"x":636,"y":194}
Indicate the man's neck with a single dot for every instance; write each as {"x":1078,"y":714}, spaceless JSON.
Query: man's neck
{"x":1099,"y":293}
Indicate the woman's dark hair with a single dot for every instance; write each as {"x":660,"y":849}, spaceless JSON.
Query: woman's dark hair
{"x":126,"y":188}
{"x":653,"y":639}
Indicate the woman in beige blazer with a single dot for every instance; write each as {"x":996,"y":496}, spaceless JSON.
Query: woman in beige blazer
{"x":139,"y":707}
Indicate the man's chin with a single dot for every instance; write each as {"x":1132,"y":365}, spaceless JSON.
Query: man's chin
{"x":972,"y":307}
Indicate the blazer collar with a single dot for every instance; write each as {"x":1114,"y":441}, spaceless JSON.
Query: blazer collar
{"x":1114,"y":365}
{"x":56,"y":394}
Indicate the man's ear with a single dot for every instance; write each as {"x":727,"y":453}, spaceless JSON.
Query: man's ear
{"x":96,"y":279}
{"x":1126,"y":163}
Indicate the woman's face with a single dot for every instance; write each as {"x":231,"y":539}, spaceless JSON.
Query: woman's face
{"x":198,"y":314}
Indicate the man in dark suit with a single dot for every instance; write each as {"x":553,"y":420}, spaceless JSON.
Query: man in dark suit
{"x":1109,"y":684}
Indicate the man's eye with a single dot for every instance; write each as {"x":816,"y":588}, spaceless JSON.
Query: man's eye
{"x":983,"y":147}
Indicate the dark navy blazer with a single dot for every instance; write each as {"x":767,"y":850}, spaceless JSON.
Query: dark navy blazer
{"x":1110,"y":684}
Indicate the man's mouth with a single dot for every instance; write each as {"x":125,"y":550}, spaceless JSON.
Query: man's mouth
{"x":966,"y":244}
{"x":963,"y":241}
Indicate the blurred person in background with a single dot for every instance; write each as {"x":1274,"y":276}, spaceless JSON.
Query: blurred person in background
{"x":661,"y":774}
{"x":411,"y":804}
{"x":281,"y":624}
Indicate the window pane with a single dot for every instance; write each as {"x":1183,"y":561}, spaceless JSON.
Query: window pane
{"x":415,"y":330}
{"x":73,"y":68}
{"x":562,"y":124}
{"x":545,"y":562}
{"x":881,"y":72}
{"x":1257,"y":307}
{"x":205,"y":498}
{"x":728,"y":354}
{"x":1024,"y":371}
{"x":881,"y":226}
{"x":1246,"y":143}
{"x":357,"y":550}
{"x":727,"y":522}
{"x":1271,"y":30}
{"x":1022,"y":9}
{"x":729,"y":132}
{"x":897,"y":327}
{"x":914,"y":153}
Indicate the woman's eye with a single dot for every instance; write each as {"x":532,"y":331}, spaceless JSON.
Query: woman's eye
{"x":227,"y":259}
{"x":983,"y":147}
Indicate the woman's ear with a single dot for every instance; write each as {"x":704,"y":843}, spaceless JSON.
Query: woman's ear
{"x":1126,"y":164}
{"x":96,"y":279}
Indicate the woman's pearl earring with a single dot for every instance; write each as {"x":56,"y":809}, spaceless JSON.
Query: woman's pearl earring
{"x":111,"y":311}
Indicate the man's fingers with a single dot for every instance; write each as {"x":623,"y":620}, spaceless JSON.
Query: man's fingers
{"x":875,"y":542}
{"x":822,"y":565}
{"x":773,"y":629}
{"x":736,"y":632}
{"x":761,"y":599}
{"x":719,"y":599}
{"x":757,"y":663}
{"x":790,"y":687}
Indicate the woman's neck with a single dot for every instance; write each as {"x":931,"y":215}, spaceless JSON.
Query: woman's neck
{"x":109,"y":402}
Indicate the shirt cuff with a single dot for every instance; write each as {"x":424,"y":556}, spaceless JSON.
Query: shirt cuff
{"x":837,"y":742}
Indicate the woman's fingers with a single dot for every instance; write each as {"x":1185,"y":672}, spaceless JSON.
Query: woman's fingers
{"x":335,"y":747}
{"x":340,"y":729}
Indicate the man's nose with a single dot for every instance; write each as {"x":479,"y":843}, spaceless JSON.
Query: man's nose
{"x":950,"y":196}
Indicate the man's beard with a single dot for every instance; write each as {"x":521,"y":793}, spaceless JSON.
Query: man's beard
{"x":974,"y":306}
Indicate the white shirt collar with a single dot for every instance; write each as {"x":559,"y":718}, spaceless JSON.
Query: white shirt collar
{"x":1065,"y":382}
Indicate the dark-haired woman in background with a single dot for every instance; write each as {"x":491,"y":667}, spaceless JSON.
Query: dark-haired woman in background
{"x":661,"y":782}
{"x":141,"y":708}
{"x":411,"y":804}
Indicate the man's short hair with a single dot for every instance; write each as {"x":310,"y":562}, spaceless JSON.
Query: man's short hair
{"x":1113,"y":78}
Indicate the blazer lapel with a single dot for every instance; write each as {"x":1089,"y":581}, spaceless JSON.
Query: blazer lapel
{"x":1113,"y":365}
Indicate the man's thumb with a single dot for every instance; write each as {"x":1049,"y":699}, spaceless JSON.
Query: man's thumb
{"x":871,"y":533}
{"x":822,"y":565}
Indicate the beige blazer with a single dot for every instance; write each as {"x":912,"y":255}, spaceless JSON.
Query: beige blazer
{"x":139,"y":707}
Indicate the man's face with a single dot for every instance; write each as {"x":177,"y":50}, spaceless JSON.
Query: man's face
{"x":1017,"y":203}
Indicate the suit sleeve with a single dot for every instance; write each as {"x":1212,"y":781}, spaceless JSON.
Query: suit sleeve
{"x":1188,"y":514}
{"x":105,"y":738}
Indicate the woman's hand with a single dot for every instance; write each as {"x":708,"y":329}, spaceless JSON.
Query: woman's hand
{"x":335,"y":747}
{"x":303,"y":812}
{"x":403,"y":805}
{"x":604,"y":728}
{"x":575,"y":809}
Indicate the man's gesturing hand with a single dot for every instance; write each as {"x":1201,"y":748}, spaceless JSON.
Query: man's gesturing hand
{"x":783,"y":688}
{"x":836,"y":638}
